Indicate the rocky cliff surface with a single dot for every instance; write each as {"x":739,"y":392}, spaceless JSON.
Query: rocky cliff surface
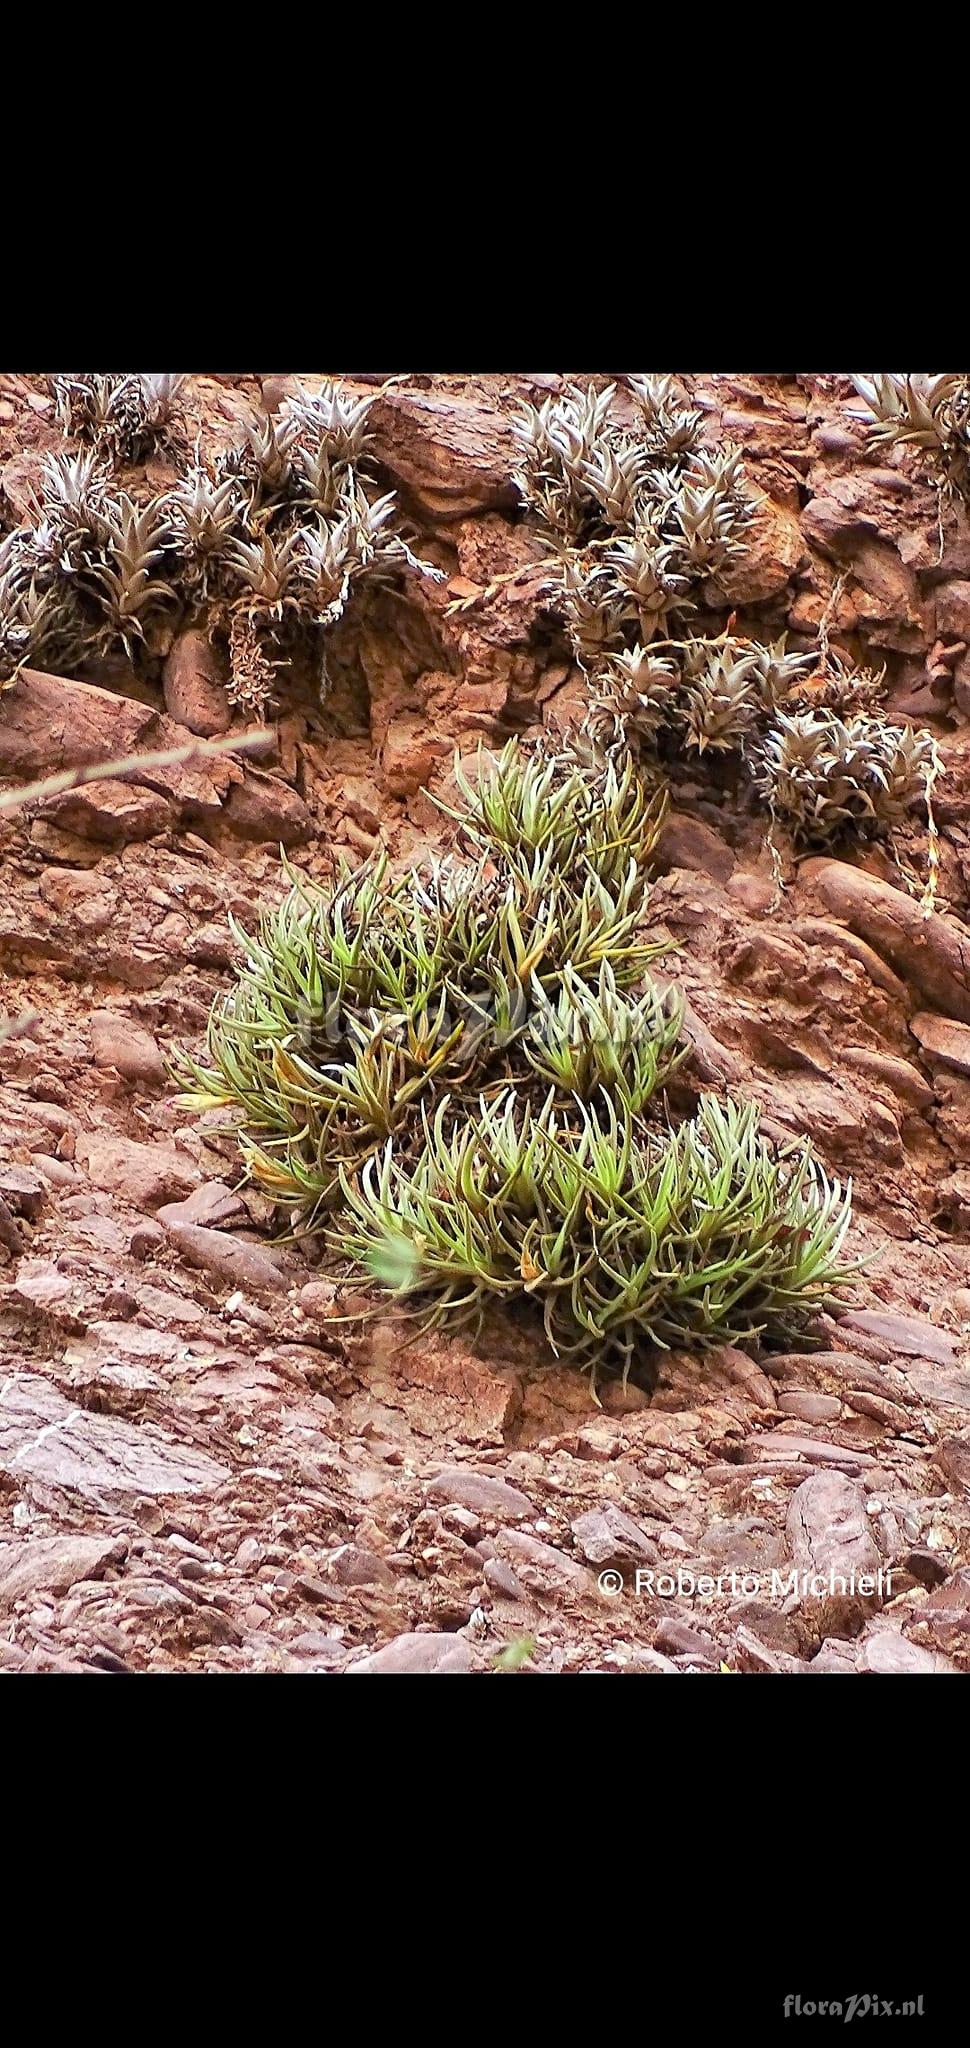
{"x":201,"y":1466}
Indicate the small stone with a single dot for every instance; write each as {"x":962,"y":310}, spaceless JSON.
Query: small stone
{"x":411,"y":752}
{"x":58,"y":1172}
{"x":751,"y":1654}
{"x":317,"y":1299}
{"x":108,"y":812}
{"x":23,"y":1191}
{"x":835,"y":1659}
{"x":680,"y":1641}
{"x":608,"y":1536}
{"x":211,"y":1204}
{"x":264,"y":809}
{"x":41,"y":1286}
{"x":953,"y":610}
{"x":776,"y":1443}
{"x":422,"y":1654}
{"x":542,"y":1568}
{"x":146,"y":1175}
{"x":810,"y":1407}
{"x":908,"y":1335}
{"x":52,"y":1564}
{"x":477,"y":1490}
{"x":228,"y":1258}
{"x":686,"y":842}
{"x":117,"y":1041}
{"x":325,"y":1651}
{"x":147,"y":1239}
{"x":926,"y":1566}
{"x":953,"y":1458}
{"x":650,"y":1663}
{"x":351,"y":1566}
{"x":754,"y":893}
{"x":501,"y":1578}
{"x":194,"y":684}
{"x":887,"y":1652}
{"x":597,"y":1442}
{"x":830,"y":1539}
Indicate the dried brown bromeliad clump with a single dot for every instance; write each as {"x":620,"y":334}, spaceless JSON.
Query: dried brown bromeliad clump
{"x":640,"y":514}
{"x":124,"y":416}
{"x":641,"y":518}
{"x":827,"y":778}
{"x":928,"y":412}
{"x":263,"y":543}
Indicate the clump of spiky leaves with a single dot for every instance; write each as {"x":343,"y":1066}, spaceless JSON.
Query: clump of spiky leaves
{"x":631,"y":700}
{"x":459,"y":1075}
{"x":723,"y":695}
{"x":31,"y":610}
{"x":715,"y":697}
{"x":927,"y":412}
{"x":639,"y":516}
{"x":70,"y":505}
{"x":263,"y":543}
{"x":315,"y":529}
{"x":826,"y":777}
{"x":94,"y":558}
{"x":124,"y":416}
{"x":625,"y":1238}
{"x":128,"y":590}
{"x":207,"y":512}
{"x":642,"y":521}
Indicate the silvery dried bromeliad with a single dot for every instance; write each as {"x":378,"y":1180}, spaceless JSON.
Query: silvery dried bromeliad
{"x":123,"y":415}
{"x":929,"y":412}
{"x":824,"y":776}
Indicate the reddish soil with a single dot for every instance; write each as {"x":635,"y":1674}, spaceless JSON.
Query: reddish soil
{"x":202,"y":1466}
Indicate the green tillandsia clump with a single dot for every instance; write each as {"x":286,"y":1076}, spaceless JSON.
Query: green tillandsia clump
{"x":459,"y":1075}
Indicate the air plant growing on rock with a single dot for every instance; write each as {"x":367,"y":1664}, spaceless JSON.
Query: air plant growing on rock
{"x":70,"y":505}
{"x":723,"y":694}
{"x":206,"y":513}
{"x":671,"y":428}
{"x":314,"y":528}
{"x":262,"y":543}
{"x":124,"y":581}
{"x":31,"y":613}
{"x":928,"y":412}
{"x":824,"y":777}
{"x":124,"y":416}
{"x":263,"y":460}
{"x":458,"y":1077}
{"x":638,"y":518}
{"x":328,"y":423}
{"x":640,"y":524}
{"x":631,"y":701}
{"x":264,"y":573}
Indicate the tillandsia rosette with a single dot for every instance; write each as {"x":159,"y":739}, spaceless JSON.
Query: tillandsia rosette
{"x":264,"y":542}
{"x":931,"y":413}
{"x":460,"y":1077}
{"x":641,"y":514}
{"x":824,"y":777}
{"x":124,"y":416}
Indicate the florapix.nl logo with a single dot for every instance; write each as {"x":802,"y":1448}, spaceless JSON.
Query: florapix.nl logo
{"x":860,"y":2005}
